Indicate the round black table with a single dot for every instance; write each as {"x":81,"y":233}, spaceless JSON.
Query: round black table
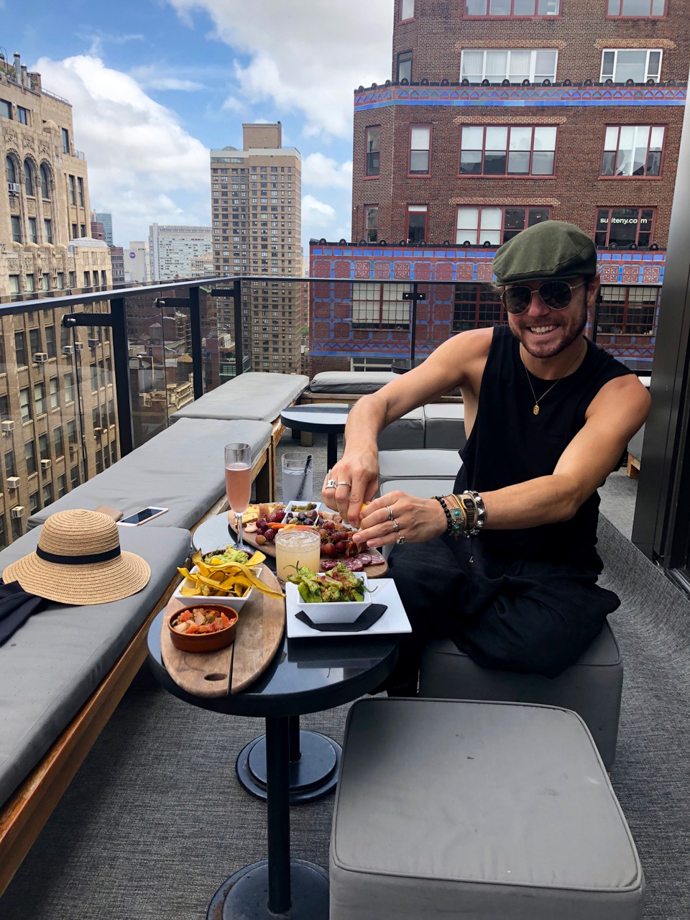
{"x":314,"y":757}
{"x":325,"y":417}
{"x":307,"y":675}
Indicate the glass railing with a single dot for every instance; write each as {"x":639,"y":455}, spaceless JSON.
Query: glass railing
{"x":88,"y":376}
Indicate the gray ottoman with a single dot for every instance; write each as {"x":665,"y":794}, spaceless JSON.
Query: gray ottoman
{"x":592,"y":687}
{"x":350,"y":382}
{"x":445,"y":426}
{"x":417,"y":464}
{"x":404,"y":433}
{"x":477,"y":811}
{"x":254,"y":395}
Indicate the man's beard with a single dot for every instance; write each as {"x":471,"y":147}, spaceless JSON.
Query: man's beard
{"x":573,"y":336}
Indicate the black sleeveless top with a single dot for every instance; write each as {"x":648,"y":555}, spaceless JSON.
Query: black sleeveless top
{"x":509,"y":444}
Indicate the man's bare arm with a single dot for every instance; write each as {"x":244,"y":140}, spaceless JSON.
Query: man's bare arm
{"x":442,"y":371}
{"x":615,"y":414}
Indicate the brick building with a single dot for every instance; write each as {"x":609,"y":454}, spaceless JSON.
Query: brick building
{"x":500,"y":114}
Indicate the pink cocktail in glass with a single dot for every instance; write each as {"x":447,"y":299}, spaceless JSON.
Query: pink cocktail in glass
{"x":238,"y":484}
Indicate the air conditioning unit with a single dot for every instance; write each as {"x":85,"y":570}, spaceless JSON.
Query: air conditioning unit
{"x":40,"y":357}
{"x":68,"y":349}
{"x":14,"y":187}
{"x":79,"y":346}
{"x":13,"y":482}
{"x":18,"y":511}
{"x":98,"y":432}
{"x":8,"y":425}
{"x":45,"y":464}
{"x":94,"y":342}
{"x":74,"y":448}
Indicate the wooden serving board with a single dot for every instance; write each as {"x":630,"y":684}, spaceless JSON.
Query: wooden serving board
{"x":232,"y":669}
{"x":268,"y":549}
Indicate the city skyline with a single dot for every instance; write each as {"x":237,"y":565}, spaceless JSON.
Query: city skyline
{"x":156,"y":85}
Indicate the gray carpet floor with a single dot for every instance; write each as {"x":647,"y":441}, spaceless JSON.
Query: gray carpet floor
{"x":155,"y":819}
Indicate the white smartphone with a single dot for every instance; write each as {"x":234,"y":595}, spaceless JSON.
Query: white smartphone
{"x":141,"y":517}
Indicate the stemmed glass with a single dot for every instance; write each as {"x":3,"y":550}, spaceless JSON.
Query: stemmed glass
{"x":238,"y":483}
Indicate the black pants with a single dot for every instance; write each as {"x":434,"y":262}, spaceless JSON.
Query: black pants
{"x":518,"y":615}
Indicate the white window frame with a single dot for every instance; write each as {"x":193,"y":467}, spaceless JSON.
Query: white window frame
{"x":406,"y":10}
{"x":617,"y":51}
{"x":533,"y":52}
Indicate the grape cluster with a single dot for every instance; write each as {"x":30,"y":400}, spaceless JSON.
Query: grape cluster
{"x":336,"y":542}
{"x":264,"y":531}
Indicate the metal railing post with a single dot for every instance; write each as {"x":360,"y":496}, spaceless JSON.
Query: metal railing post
{"x":197,"y":354}
{"x":239,"y":347}
{"x":121,"y":370}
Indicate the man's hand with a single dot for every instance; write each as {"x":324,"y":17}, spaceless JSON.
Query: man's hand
{"x":418,"y":520}
{"x":357,"y":479}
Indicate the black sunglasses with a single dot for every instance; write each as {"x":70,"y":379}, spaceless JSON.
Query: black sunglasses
{"x":555,"y":294}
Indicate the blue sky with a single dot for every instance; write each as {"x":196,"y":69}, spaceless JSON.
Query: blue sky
{"x":156,"y":84}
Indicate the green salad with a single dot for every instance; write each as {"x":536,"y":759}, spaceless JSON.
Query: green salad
{"x":223,"y":556}
{"x":337,"y":586}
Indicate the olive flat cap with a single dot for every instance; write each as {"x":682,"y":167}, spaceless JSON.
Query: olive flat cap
{"x":552,"y":249}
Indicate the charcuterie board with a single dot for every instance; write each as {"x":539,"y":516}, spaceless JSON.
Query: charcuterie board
{"x":232,"y":669}
{"x":374,"y":570}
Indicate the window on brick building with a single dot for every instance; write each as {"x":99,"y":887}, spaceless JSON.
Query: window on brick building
{"x":639,"y":65}
{"x":628,"y":310}
{"x":420,"y":150}
{"x":373,"y":143}
{"x":380,"y":306}
{"x":370,"y":364}
{"x":507,"y":151}
{"x":417,"y":223}
{"x":371,"y":213}
{"x":512,"y":8}
{"x":637,"y":9}
{"x":404,"y":66}
{"x":515,"y":65}
{"x":632,"y":150}
{"x":406,"y":10}
{"x":624,"y":227}
{"x":480,"y":225}
{"x":476,"y":306}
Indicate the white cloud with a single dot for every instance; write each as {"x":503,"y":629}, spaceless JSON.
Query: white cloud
{"x":306,"y":56}
{"x":143,"y":166}
{"x":325,"y":172}
{"x":317,"y":213}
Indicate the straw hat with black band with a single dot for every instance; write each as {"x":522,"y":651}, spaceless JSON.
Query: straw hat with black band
{"x":78,"y":561}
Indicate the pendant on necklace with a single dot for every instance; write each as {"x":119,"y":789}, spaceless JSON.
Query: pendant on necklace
{"x":535,"y":411}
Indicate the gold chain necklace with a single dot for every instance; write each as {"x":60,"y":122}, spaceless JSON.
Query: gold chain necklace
{"x":535,"y":408}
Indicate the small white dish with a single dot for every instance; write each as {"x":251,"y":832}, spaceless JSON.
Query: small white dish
{"x":235,"y":602}
{"x":290,"y":508}
{"x":394,"y":620}
{"x":343,"y":612}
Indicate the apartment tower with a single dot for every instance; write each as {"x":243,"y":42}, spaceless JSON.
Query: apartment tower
{"x":499,"y":114}
{"x":48,"y":447}
{"x":257,"y":225}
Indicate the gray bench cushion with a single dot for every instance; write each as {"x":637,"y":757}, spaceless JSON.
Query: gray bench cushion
{"x":422,"y":488}
{"x":445,"y":426}
{"x":50,"y":667}
{"x":592,"y":687}
{"x":418,"y":464}
{"x":635,"y":444}
{"x":252,"y":395}
{"x":356,"y":382}
{"x":489,"y":811}
{"x":404,"y":433}
{"x":181,"y":469}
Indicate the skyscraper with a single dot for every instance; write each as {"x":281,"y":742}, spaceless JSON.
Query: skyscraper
{"x":257,"y":225}
{"x":107,"y":220}
{"x":173,"y":249}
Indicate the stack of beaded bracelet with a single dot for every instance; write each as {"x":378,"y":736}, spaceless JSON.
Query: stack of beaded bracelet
{"x":467,"y":514}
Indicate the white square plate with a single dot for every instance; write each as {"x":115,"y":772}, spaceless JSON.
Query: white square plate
{"x":394,"y":619}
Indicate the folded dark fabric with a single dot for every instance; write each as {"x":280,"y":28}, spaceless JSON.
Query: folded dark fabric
{"x":16,"y":606}
{"x":367,"y":618}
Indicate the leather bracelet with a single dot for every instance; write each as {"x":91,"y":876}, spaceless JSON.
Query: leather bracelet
{"x":480,"y":508}
{"x":467,"y":503}
{"x":456,"y":518}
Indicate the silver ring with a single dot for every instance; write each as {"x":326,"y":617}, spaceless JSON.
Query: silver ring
{"x":400,"y":540}
{"x":390,"y":512}
{"x":331,"y":484}
{"x":396,"y":526}
{"x":348,"y":484}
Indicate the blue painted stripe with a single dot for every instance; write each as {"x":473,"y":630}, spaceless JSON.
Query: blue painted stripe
{"x":521,"y":103}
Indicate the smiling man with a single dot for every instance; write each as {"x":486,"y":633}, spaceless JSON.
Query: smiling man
{"x":506,"y":566}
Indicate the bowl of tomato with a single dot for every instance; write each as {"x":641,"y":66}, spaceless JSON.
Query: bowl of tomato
{"x":203,"y":627}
